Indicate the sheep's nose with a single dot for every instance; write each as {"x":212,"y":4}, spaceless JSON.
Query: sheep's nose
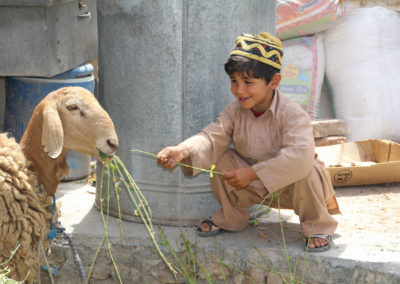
{"x":112,"y":144}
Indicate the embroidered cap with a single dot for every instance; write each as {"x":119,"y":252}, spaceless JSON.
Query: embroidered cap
{"x":263,"y":47}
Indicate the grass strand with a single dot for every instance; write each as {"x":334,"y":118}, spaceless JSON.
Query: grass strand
{"x":211,"y":171}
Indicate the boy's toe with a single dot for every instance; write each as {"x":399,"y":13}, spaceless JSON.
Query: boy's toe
{"x":318,"y":242}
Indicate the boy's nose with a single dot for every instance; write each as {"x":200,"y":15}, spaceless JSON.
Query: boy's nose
{"x":240,"y":89}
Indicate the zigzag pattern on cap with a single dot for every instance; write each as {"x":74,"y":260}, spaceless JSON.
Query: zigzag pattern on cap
{"x":249,"y":45}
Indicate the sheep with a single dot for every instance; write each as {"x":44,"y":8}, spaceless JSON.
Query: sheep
{"x":69,"y":118}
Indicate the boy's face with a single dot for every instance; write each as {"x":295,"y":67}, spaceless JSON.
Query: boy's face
{"x":253,"y":93}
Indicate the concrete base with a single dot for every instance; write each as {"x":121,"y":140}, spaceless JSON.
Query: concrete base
{"x":363,"y":251}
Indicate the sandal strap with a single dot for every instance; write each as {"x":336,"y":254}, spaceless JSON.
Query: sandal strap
{"x":209,"y":222}
{"x":327,"y":238}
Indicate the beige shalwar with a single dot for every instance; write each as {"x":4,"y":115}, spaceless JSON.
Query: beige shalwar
{"x":279,"y":146}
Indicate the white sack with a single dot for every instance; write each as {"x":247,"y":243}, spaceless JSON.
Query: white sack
{"x":363,"y":67}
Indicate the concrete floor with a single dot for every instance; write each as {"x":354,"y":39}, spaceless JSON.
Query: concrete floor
{"x":363,"y":251}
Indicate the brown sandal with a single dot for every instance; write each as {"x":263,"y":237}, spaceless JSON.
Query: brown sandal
{"x":212,"y":232}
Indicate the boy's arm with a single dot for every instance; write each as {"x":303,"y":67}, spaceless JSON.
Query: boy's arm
{"x":206,"y":147}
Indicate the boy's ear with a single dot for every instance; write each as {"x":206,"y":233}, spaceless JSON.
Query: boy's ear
{"x":276,"y":80}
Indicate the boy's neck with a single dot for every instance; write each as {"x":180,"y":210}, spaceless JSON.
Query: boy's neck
{"x":257,"y":113}
{"x":267,"y":106}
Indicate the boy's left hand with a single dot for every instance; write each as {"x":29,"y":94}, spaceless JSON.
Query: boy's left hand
{"x":241,"y":177}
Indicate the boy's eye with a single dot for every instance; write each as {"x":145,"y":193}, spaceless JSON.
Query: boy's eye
{"x":248,"y":82}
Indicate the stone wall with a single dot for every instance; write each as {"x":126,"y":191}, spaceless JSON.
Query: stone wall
{"x":138,"y":262}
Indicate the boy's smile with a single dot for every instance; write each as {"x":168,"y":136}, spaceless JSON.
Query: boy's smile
{"x":253,"y":93}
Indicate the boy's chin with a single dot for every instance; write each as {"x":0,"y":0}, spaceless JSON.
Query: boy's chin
{"x":246,"y":106}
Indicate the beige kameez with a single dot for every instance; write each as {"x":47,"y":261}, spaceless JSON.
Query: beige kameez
{"x":279,"y":146}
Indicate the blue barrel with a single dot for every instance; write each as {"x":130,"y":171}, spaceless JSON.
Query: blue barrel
{"x":23,"y":94}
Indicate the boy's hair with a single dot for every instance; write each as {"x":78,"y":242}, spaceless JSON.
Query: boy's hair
{"x":250,"y":67}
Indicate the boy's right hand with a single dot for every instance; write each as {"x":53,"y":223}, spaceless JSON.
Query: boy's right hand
{"x":171,"y":155}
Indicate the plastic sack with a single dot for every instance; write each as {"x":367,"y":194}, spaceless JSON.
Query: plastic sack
{"x":303,"y":71}
{"x":363,"y":68}
{"x":295,"y":18}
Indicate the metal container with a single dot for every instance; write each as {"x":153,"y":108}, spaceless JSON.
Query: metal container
{"x":161,"y":79}
{"x":46,"y":37}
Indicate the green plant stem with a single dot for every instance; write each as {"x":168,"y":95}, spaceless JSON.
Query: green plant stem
{"x":227,"y":265}
{"x":104,"y":234}
{"x":5,"y":271}
{"x":272,"y":268}
{"x":95,"y":256}
{"x":306,"y":254}
{"x":140,"y":208}
{"x":116,"y":189}
{"x":105,"y":224}
{"x":181,"y":164}
{"x":139,"y":195}
{"x":181,"y":269}
{"x":191,"y":259}
{"x":265,"y":198}
{"x":283,"y":238}
{"x":13,"y":252}
{"x":107,"y":217}
{"x":219,"y":260}
{"x":132,"y":182}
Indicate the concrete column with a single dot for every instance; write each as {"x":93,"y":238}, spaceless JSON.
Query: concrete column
{"x":161,"y":78}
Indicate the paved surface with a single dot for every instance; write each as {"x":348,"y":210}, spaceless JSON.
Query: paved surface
{"x":366,"y":245}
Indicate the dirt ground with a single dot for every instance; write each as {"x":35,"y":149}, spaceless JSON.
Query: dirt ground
{"x":371,"y":211}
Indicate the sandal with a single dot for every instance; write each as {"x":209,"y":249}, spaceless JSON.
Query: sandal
{"x":326,"y":247}
{"x":214,"y":230}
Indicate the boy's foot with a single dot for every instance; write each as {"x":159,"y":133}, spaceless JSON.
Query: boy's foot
{"x":318,"y":242}
{"x":208,"y":228}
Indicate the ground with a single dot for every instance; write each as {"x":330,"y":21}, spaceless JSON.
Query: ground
{"x":376,"y":211}
{"x":366,"y":244}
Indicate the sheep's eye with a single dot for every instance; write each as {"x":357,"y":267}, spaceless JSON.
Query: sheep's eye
{"x":72,"y":107}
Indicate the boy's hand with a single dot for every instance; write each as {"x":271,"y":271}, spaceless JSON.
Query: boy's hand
{"x":171,"y":155}
{"x":241,"y":177}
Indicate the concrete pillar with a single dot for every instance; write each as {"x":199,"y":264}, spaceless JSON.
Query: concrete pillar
{"x":161,"y":78}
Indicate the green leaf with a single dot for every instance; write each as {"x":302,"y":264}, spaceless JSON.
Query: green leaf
{"x":211,"y":171}
{"x":102,"y":155}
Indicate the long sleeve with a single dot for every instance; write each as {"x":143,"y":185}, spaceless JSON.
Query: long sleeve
{"x":206,"y":147}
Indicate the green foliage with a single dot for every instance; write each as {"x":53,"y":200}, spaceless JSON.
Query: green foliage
{"x":185,"y":261}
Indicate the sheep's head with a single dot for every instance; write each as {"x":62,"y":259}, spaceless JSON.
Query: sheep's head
{"x":74,"y":120}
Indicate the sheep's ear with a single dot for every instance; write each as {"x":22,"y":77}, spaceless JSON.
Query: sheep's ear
{"x":52,"y":132}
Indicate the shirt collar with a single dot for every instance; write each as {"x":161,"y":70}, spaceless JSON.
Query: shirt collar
{"x":272,"y":107}
{"x":274,"y":102}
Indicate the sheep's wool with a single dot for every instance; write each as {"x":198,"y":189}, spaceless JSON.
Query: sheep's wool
{"x":24,"y":218}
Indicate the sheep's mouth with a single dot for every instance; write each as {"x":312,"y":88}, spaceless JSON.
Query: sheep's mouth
{"x":104,"y":156}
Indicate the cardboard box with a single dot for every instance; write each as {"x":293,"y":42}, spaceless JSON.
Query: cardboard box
{"x":371,"y":161}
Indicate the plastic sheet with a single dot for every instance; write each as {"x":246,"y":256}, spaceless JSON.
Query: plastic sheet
{"x":363,"y":68}
{"x":295,"y":18}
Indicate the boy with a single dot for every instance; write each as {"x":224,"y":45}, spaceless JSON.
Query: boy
{"x":273,"y":149}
